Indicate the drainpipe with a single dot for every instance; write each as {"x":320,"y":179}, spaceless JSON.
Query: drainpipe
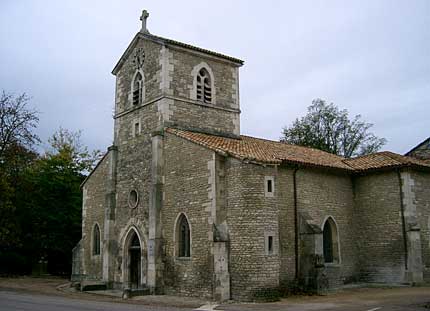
{"x":296,"y":225}
{"x":402,"y":212}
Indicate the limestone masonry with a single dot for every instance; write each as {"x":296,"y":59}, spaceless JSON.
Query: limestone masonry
{"x":183,"y":204}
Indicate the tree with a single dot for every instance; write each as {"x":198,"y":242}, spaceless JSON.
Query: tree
{"x":50,"y":206}
{"x":50,"y":212}
{"x":17,"y":121}
{"x":327,"y":128}
{"x":68,"y":145}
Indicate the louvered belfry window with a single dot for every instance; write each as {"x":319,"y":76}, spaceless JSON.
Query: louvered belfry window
{"x":204,"y":89}
{"x":137,"y":89}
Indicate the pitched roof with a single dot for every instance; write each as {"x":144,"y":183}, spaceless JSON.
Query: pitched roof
{"x":272,"y":152}
{"x":424,"y":142}
{"x":167,"y":41}
{"x":385,"y":159}
{"x":264,"y":151}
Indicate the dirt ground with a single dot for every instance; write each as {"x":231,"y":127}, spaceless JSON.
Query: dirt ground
{"x":31,"y":284}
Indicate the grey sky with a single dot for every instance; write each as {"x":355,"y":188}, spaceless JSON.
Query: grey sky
{"x":370,"y":57}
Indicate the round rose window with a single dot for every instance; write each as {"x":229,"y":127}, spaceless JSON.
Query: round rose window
{"x":133,"y":199}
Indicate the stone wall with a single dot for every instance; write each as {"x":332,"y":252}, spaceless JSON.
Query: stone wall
{"x":187,"y":190}
{"x":322,"y":194}
{"x":134,"y":125}
{"x":152,"y":73}
{"x":133,"y":173}
{"x":285,"y":197}
{"x":220,"y":116}
{"x":93,"y":208}
{"x":379,"y":232}
{"x":422,"y":196}
{"x":204,"y":118}
{"x":251,"y":217}
{"x":169,"y":84}
{"x":167,"y":101}
{"x":225,"y":76}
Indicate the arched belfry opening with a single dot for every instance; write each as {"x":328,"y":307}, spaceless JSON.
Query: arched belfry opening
{"x":137,"y":89}
{"x":135,"y":261}
{"x":204,"y":86}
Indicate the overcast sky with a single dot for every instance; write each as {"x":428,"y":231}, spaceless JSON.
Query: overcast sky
{"x":370,"y":57}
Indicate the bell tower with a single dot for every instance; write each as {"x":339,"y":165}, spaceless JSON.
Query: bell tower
{"x":162,"y":82}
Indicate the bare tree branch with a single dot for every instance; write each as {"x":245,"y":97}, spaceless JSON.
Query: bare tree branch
{"x":17,"y":122}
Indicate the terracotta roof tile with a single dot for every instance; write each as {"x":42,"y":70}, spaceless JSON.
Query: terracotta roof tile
{"x":261,"y":150}
{"x":385,"y":159}
{"x":267,"y":151}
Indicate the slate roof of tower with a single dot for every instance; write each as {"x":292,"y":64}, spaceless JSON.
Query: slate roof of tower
{"x":272,"y":152}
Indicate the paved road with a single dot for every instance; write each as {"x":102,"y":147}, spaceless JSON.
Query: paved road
{"x":10,"y":301}
{"x":400,"y":300}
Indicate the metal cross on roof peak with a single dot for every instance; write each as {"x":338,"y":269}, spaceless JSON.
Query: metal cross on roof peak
{"x":143,"y":18}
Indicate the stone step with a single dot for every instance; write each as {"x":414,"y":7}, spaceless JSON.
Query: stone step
{"x":92,"y":285}
{"x":128,"y":292}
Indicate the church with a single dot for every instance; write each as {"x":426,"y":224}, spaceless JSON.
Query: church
{"x":183,"y":204}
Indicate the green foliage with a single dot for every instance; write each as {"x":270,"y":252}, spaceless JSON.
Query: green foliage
{"x":327,"y":128}
{"x":67,"y":145}
{"x":50,"y":201}
{"x":40,"y":195}
{"x":8,"y":224}
{"x":50,"y":209}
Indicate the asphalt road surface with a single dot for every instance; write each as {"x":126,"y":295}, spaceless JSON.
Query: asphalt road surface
{"x":10,"y":301}
{"x":409,"y":299}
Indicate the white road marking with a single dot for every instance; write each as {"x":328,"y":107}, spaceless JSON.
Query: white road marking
{"x":209,"y":307}
{"x":374,"y":309}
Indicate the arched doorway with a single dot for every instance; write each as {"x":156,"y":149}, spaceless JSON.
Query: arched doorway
{"x":135,"y":265}
{"x":134,"y":269}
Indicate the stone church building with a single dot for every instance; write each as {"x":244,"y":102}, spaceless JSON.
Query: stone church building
{"x":183,"y":204}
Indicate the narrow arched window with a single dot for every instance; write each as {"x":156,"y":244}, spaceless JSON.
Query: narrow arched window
{"x":96,"y":240}
{"x":204,"y":88}
{"x":183,"y":234}
{"x":137,"y":89}
{"x":330,"y":242}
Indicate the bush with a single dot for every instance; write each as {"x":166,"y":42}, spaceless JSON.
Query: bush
{"x":12,"y":263}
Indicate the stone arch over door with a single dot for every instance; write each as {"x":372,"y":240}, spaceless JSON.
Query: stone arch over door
{"x":134,"y":269}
